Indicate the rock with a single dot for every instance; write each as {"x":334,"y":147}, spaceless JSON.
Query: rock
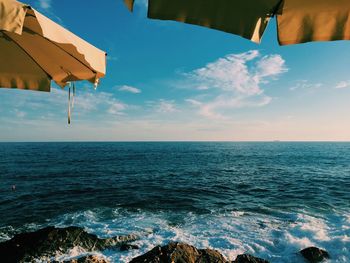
{"x":126,"y":247}
{"x":88,"y":259}
{"x":180,"y":253}
{"x":246,"y":258}
{"x":314,"y":254}
{"x":47,"y":241}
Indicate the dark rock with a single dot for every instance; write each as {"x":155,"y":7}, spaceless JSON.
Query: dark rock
{"x":47,"y":241}
{"x":314,"y":254}
{"x":246,"y":258}
{"x":126,"y":247}
{"x":88,"y":259}
{"x":180,"y":253}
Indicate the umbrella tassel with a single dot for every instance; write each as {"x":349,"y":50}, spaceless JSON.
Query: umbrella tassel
{"x":71,"y":100}
{"x":69,"y":109}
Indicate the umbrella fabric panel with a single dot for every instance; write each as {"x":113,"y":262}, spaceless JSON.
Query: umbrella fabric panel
{"x":55,"y":61}
{"x":88,"y":54}
{"x":314,"y":20}
{"x":298,"y":21}
{"x":12,"y":15}
{"x":247,"y":18}
{"x":18,"y":70}
{"x":37,"y":50}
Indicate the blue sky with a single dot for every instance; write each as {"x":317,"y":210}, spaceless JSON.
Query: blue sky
{"x":171,"y":81}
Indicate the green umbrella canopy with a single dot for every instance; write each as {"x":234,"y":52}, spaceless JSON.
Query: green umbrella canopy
{"x":298,"y":21}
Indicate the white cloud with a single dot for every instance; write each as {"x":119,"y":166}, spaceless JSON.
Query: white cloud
{"x":165,"y":106}
{"x":117,"y":108}
{"x":233,"y":74}
{"x":270,"y":66}
{"x":238,"y":78}
{"x":203,"y":88}
{"x":112,"y":58}
{"x":53,"y":105}
{"x":100,"y":101}
{"x":228,"y":74}
{"x":20,"y":114}
{"x":45,"y":4}
{"x":210,"y":109}
{"x":343,"y":85}
{"x":130,"y":89}
{"x":194,"y":102}
{"x":306,"y":85}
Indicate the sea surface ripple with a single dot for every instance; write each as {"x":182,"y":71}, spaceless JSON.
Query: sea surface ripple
{"x":268,"y":199}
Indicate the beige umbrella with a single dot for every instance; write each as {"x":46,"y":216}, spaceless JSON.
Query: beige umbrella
{"x":35,"y":50}
{"x":298,"y":21}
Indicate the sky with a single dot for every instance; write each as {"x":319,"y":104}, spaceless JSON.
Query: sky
{"x":168,"y":81}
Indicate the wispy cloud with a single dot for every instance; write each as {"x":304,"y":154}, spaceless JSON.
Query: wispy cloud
{"x":210,"y":109}
{"x":343,"y":85}
{"x":130,"y":89}
{"x":53,"y":106}
{"x":20,"y":114}
{"x":46,"y":7}
{"x":270,"y":66}
{"x":194,"y":102}
{"x":117,"y":108}
{"x":112,"y":58}
{"x":237,"y":81}
{"x":100,"y":102}
{"x":305,"y":85}
{"x":163,"y":106}
{"x":45,"y":4}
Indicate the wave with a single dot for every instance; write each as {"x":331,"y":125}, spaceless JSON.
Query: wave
{"x":276,"y":237}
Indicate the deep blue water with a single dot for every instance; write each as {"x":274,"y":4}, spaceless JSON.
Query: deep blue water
{"x":268,"y":199}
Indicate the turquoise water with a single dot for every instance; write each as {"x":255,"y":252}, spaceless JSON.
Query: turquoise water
{"x":267,"y":199}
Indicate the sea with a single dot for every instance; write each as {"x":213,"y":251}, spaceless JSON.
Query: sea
{"x":268,"y":199}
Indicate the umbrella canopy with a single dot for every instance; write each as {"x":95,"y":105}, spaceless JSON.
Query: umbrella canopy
{"x":298,"y":21}
{"x":35,"y":50}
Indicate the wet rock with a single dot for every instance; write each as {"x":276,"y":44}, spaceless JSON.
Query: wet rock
{"x":126,"y":247}
{"x":47,"y":241}
{"x":246,"y":258}
{"x":314,"y":254}
{"x":180,"y":253}
{"x":88,"y":259}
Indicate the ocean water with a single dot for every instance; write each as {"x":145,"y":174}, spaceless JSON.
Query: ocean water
{"x":267,"y":199}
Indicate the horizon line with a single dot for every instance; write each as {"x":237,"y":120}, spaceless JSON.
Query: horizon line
{"x":178,"y":141}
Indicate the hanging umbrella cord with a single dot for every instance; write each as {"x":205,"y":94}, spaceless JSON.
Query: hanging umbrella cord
{"x":71,"y":100}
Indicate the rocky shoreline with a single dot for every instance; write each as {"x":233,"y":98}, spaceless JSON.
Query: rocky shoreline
{"x":45,"y":243}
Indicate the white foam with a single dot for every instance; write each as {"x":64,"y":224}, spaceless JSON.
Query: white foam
{"x":316,"y":226}
{"x":277,"y":239}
